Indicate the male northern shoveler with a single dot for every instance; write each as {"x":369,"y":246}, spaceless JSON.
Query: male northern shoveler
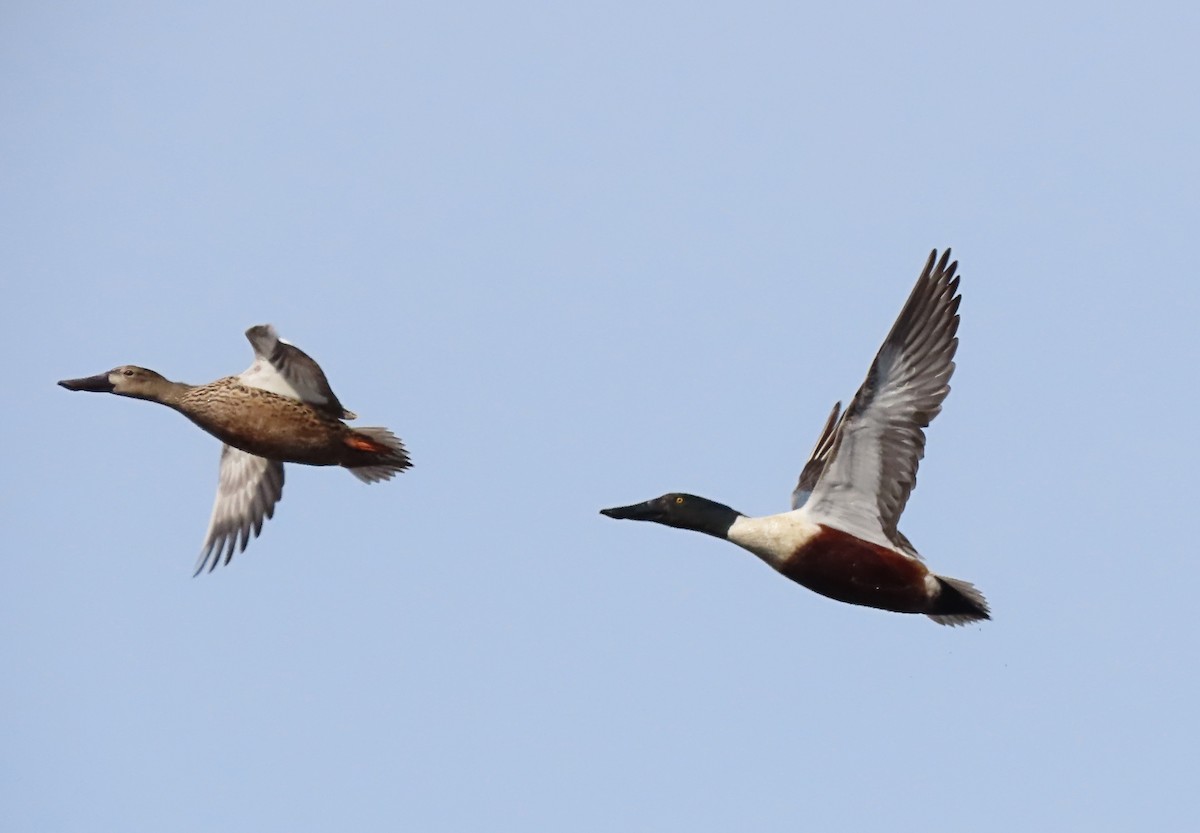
{"x":281,"y":410}
{"x":840,"y":539}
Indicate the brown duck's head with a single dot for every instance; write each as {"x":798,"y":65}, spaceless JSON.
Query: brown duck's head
{"x":127,"y":380}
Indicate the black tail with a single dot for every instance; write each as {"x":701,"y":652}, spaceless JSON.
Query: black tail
{"x":958,"y":603}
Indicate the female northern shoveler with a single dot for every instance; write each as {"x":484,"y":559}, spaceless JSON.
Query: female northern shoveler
{"x":840,"y":539}
{"x":281,"y":410}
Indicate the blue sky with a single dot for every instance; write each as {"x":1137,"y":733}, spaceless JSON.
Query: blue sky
{"x":577,"y":256}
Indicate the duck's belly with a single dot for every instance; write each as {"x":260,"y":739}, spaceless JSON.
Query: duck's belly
{"x":840,"y":566}
{"x":277,"y":431}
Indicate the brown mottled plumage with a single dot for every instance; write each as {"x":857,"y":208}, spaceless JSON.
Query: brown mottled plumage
{"x":269,"y":425}
{"x":281,"y":410}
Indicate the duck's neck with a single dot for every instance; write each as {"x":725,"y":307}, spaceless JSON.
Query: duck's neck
{"x":716,"y":519}
{"x":166,"y":393}
{"x":174,"y":393}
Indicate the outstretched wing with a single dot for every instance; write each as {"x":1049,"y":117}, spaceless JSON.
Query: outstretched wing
{"x":877,"y":445}
{"x":817,"y":460}
{"x":283,"y":368}
{"x":248,"y":488}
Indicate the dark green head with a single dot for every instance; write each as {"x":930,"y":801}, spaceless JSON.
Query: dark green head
{"x":682,"y":511}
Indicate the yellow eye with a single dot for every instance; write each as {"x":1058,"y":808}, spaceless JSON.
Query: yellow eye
{"x":678,"y":501}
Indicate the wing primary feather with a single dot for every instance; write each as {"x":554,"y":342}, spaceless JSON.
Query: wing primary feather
{"x":247,"y":490}
{"x":876,"y":445}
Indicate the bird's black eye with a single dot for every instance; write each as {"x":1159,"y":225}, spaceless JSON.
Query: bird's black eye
{"x":127,"y":372}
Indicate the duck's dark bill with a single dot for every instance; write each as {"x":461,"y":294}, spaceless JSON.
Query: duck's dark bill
{"x":637,"y":512}
{"x":97,"y":384}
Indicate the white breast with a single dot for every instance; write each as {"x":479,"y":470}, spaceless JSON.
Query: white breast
{"x":773,"y":538}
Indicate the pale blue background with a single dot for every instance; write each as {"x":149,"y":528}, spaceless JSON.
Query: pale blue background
{"x":578,"y":256}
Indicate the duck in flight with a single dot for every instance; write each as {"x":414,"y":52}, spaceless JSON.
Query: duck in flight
{"x":841,"y":538}
{"x":281,"y":410}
